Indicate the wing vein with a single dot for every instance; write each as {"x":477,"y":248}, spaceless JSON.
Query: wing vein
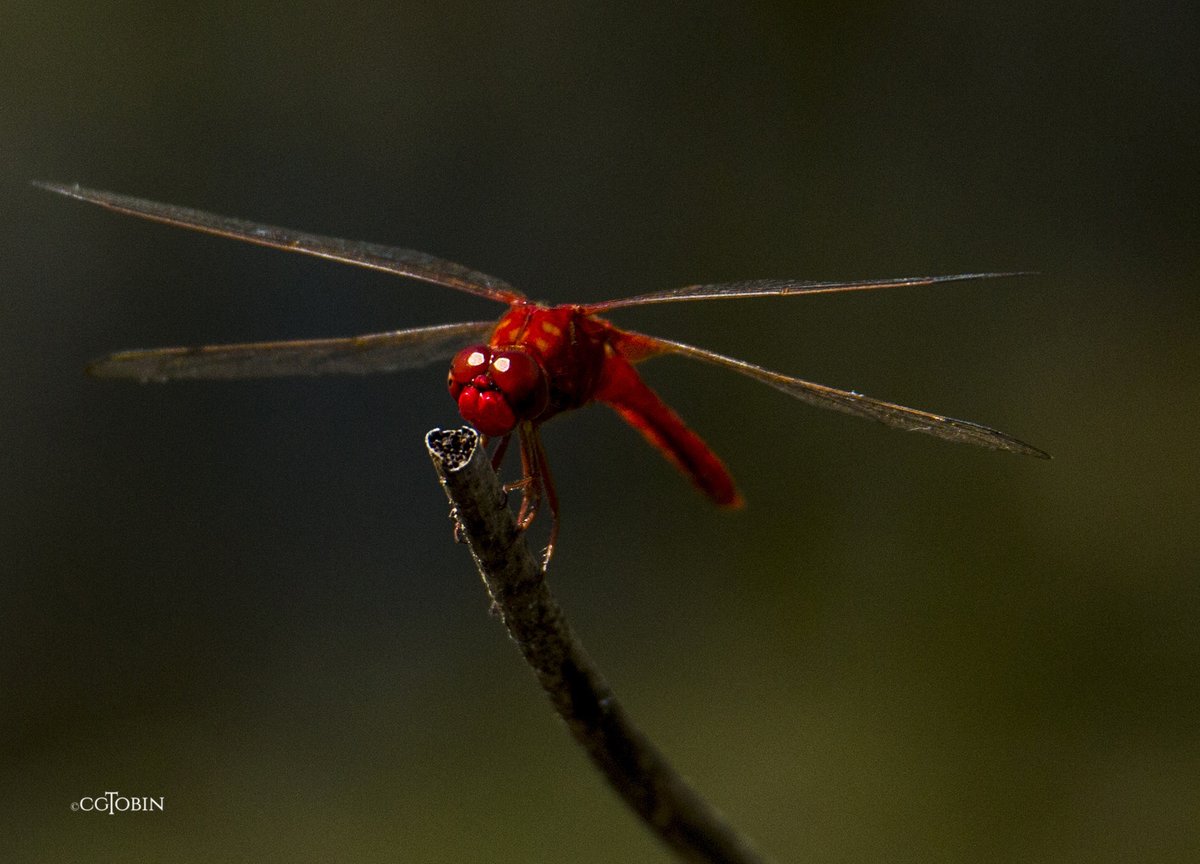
{"x":845,"y":401}
{"x":373,"y":256}
{"x":781,"y":288}
{"x":355,"y":355}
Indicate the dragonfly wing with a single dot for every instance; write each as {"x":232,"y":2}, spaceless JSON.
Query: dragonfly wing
{"x":908,"y":419}
{"x":780,"y":288}
{"x":378,"y":352}
{"x":389,"y":259}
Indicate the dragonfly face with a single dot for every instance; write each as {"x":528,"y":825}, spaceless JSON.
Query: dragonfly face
{"x":497,"y":388}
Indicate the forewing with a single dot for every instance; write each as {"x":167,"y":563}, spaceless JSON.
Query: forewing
{"x":780,"y":288}
{"x":908,"y":419}
{"x":389,"y":259}
{"x":378,"y":352}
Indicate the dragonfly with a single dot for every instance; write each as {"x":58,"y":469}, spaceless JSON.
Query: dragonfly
{"x":537,"y":361}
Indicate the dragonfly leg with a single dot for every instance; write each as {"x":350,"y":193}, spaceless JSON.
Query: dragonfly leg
{"x":547,"y":483}
{"x":497,"y":459}
{"x":531,"y":483}
{"x":501,"y":449}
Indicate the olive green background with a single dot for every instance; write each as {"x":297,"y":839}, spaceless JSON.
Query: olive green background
{"x":244,"y":597}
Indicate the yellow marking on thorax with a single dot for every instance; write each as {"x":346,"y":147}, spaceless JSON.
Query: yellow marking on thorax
{"x":511,"y":332}
{"x":548,"y":339}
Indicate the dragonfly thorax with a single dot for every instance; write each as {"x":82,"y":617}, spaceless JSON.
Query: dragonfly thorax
{"x":497,"y":388}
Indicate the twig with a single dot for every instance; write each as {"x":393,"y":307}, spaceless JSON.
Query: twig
{"x":683,"y":820}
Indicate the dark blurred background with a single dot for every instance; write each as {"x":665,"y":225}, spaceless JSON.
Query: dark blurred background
{"x":244,"y":597}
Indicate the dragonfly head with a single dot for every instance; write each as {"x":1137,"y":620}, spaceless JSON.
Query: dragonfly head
{"x":497,"y":388}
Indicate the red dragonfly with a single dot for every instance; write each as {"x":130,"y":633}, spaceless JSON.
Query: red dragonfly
{"x":535,"y":362}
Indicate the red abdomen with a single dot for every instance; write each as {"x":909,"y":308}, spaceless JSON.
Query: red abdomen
{"x":639,"y":406}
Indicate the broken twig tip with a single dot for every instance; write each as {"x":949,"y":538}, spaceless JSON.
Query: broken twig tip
{"x":453,"y":448}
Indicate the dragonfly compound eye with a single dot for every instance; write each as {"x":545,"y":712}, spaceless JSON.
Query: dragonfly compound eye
{"x":466,"y":365}
{"x":522,"y":381}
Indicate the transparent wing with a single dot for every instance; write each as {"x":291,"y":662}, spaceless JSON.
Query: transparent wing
{"x":390,"y":259}
{"x":378,"y":352}
{"x":639,"y":347}
{"x":780,"y":288}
